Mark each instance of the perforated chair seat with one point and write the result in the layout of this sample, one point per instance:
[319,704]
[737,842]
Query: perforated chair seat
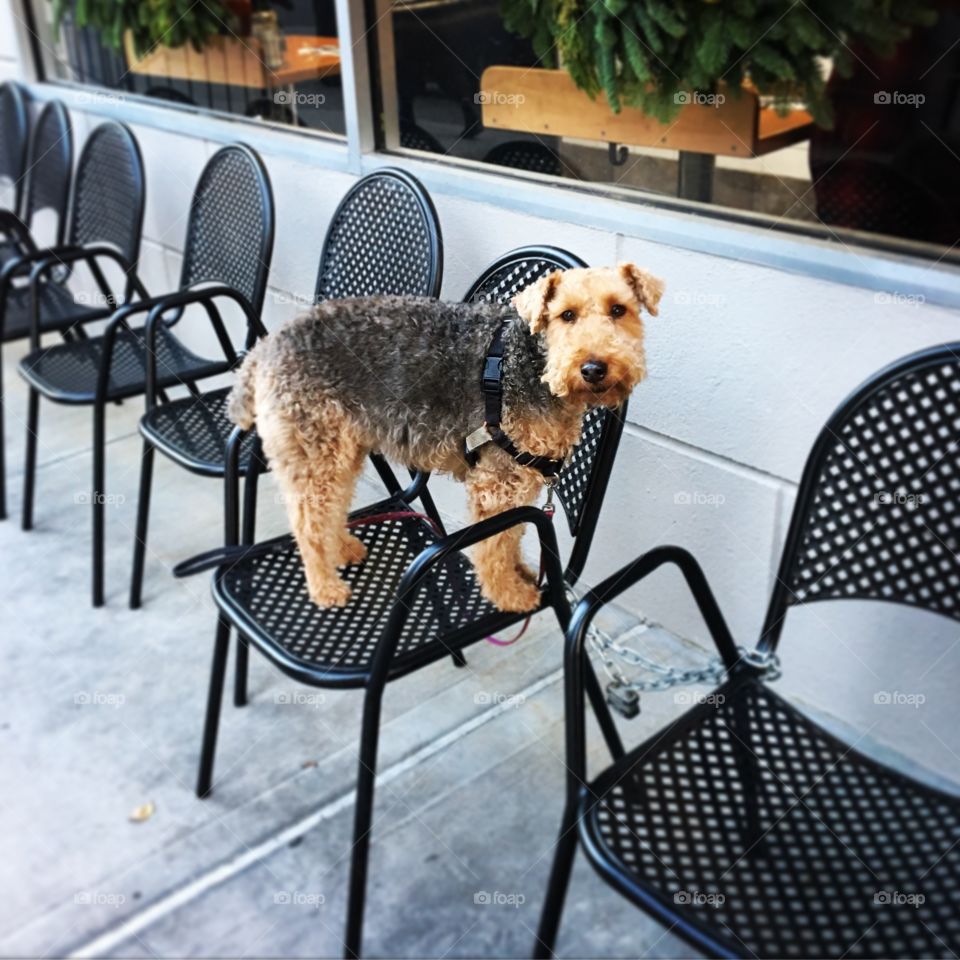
[194,431]
[58,311]
[853,859]
[68,372]
[266,596]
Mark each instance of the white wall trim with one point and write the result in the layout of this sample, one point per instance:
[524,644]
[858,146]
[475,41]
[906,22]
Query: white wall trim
[629,213]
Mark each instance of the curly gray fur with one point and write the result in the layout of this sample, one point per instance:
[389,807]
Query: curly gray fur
[407,369]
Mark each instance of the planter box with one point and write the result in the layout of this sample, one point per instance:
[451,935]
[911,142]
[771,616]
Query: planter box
[547,102]
[239,63]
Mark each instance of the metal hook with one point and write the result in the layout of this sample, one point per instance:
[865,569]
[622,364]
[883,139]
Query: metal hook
[618,154]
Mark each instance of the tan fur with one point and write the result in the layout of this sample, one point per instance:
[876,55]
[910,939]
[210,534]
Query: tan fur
[317,451]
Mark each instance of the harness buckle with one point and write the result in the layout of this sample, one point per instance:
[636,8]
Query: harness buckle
[492,373]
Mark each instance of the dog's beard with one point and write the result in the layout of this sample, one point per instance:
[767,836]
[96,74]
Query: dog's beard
[621,378]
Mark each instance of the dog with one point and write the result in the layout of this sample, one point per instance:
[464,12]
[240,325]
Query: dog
[402,375]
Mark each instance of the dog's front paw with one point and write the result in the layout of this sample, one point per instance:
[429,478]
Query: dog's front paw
[352,550]
[516,596]
[330,593]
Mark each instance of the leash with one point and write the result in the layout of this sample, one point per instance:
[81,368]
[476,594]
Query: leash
[491,386]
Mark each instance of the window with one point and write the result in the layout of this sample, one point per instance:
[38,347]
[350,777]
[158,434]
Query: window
[277,62]
[456,83]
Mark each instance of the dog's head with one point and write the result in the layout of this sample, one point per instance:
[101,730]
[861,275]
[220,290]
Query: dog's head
[591,321]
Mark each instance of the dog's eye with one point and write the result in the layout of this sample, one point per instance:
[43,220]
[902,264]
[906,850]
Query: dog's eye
[568,315]
[617,310]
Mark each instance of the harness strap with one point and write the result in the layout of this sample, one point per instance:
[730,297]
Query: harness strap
[491,386]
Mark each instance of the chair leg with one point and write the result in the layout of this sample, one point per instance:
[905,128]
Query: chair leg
[459,660]
[214,698]
[241,671]
[557,886]
[30,459]
[97,496]
[362,822]
[143,516]
[248,532]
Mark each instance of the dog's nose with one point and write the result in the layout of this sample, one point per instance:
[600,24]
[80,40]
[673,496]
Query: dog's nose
[593,371]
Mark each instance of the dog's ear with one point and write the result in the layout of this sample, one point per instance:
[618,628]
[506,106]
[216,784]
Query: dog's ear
[647,288]
[532,302]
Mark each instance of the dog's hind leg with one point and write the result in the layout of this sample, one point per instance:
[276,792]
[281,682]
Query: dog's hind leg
[492,487]
[316,463]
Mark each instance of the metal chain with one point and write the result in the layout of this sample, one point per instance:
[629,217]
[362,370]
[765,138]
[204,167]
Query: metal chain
[624,692]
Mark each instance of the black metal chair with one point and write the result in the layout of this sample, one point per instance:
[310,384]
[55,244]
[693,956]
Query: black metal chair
[229,243]
[415,597]
[106,217]
[384,237]
[44,182]
[744,826]
[14,135]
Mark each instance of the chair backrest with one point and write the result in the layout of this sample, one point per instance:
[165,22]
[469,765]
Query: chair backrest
[230,231]
[14,133]
[384,238]
[878,510]
[583,481]
[49,166]
[109,191]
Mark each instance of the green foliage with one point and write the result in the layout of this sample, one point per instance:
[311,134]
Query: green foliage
[152,23]
[649,53]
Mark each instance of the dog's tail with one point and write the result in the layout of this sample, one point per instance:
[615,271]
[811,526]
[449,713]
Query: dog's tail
[242,405]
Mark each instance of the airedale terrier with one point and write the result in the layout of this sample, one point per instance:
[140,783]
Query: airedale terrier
[402,375]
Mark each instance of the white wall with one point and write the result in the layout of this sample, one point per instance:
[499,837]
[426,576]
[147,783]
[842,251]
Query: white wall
[746,362]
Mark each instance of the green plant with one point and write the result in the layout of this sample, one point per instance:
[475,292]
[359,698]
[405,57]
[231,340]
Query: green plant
[152,23]
[652,53]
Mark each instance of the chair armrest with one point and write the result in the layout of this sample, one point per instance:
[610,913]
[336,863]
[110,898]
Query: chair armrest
[12,226]
[437,552]
[642,567]
[185,298]
[47,260]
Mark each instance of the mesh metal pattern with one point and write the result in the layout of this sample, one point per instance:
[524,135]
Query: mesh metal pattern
[195,430]
[230,233]
[384,239]
[527,155]
[882,519]
[49,164]
[13,144]
[69,371]
[108,191]
[844,840]
[270,590]
[500,284]
[58,310]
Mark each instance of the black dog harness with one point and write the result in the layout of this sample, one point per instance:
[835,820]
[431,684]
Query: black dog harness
[491,386]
